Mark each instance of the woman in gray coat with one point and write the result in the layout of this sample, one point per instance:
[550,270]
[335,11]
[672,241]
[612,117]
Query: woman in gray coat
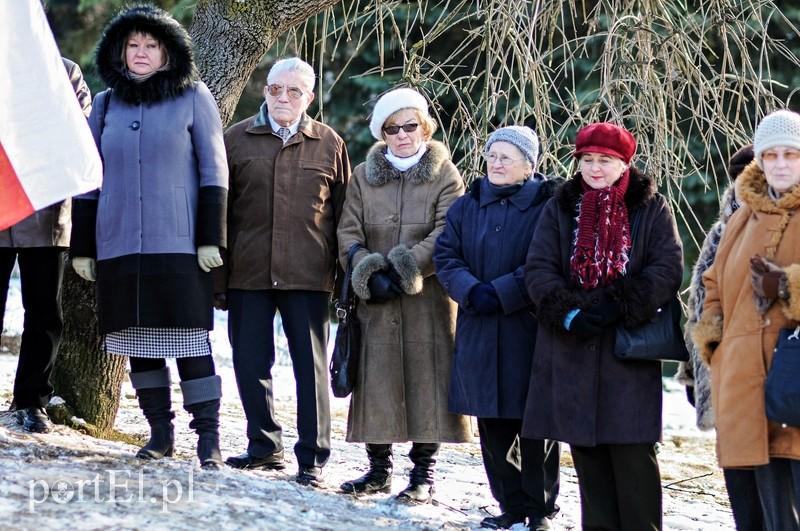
[151,234]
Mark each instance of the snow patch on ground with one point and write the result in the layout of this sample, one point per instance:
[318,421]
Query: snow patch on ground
[65,478]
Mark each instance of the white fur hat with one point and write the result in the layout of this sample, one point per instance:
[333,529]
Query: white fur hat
[393,101]
[780,128]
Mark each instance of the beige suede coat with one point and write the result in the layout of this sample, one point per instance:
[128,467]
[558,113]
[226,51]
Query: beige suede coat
[733,338]
[407,343]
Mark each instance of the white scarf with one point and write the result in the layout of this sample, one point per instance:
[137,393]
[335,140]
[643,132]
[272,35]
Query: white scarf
[404,163]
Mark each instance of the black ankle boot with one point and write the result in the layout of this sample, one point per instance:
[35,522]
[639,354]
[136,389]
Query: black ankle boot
[379,476]
[157,408]
[206,418]
[420,486]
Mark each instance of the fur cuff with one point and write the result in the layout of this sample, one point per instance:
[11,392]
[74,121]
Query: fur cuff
[554,306]
[363,270]
[707,334]
[406,266]
[791,307]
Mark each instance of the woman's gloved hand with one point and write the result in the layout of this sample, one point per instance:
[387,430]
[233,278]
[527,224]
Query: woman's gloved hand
[483,299]
[606,313]
[382,288]
[766,278]
[585,325]
[208,257]
[85,267]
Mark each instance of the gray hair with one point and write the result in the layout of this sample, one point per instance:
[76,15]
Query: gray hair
[293,64]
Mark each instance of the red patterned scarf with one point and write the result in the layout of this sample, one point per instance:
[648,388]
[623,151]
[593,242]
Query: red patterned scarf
[603,238]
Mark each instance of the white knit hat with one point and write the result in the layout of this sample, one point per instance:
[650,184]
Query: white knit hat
[780,128]
[393,101]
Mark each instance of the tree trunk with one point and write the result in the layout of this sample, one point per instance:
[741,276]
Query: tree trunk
[231,36]
[88,379]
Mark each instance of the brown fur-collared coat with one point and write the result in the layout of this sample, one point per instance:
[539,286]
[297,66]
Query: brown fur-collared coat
[407,343]
[734,338]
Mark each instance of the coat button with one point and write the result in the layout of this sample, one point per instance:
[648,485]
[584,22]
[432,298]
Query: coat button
[592,347]
[275,283]
[135,125]
[498,228]
[502,201]
[395,217]
[595,300]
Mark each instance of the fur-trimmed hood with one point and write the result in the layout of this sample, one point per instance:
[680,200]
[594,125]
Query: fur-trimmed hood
[380,171]
[752,190]
[641,189]
[162,85]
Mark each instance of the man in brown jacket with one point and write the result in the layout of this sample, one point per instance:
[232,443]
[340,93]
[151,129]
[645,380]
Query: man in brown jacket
[37,243]
[288,175]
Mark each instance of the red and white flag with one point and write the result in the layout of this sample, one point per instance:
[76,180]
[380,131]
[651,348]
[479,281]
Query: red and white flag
[46,149]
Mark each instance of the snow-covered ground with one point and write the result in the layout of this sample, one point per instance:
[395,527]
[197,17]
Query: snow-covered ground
[66,478]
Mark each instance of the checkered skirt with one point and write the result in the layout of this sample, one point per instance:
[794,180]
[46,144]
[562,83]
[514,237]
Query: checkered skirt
[159,342]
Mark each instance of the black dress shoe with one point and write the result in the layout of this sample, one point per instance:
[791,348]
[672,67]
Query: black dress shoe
[273,461]
[34,419]
[502,521]
[417,493]
[310,476]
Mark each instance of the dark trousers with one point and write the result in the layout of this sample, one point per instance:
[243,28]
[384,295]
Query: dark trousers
[743,495]
[620,487]
[305,322]
[779,491]
[40,271]
[523,473]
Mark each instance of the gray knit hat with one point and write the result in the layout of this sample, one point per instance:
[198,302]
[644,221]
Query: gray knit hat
[524,138]
[780,128]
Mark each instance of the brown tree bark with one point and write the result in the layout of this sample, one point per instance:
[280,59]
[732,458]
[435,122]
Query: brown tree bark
[88,379]
[231,36]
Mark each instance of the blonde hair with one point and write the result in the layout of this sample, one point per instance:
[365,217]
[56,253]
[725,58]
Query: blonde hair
[427,123]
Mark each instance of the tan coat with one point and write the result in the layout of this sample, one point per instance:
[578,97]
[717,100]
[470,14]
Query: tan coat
[734,338]
[407,345]
[284,202]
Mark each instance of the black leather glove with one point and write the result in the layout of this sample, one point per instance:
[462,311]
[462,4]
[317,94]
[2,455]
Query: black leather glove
[606,313]
[381,288]
[483,299]
[585,326]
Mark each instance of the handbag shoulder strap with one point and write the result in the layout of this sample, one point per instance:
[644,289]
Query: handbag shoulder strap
[344,295]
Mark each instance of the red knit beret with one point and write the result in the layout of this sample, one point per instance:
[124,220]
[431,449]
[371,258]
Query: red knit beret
[606,138]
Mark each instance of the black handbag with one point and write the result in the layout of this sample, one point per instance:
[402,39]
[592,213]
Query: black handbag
[346,350]
[658,339]
[782,390]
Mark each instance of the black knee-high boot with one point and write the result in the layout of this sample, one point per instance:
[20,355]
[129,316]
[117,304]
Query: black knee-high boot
[420,485]
[153,392]
[201,398]
[379,476]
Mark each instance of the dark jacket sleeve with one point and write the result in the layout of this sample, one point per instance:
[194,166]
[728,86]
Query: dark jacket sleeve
[642,292]
[544,277]
[452,270]
[79,86]
[511,291]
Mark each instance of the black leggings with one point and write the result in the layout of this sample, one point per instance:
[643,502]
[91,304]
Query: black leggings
[188,368]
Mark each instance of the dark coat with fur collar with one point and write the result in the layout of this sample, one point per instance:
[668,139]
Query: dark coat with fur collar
[486,239]
[579,392]
[164,186]
[407,343]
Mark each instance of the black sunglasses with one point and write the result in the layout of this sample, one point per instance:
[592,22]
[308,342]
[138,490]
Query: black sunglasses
[394,129]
